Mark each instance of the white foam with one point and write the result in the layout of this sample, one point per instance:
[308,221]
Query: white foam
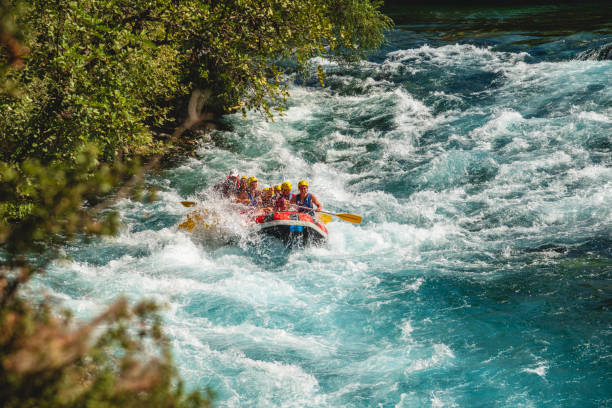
[414,286]
[407,330]
[458,54]
[251,335]
[272,382]
[594,116]
[498,126]
[540,370]
[440,399]
[441,354]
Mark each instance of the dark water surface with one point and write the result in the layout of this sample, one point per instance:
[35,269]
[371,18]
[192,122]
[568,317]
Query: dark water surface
[477,146]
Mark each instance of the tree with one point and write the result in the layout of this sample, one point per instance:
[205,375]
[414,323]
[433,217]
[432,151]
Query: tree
[109,73]
[241,49]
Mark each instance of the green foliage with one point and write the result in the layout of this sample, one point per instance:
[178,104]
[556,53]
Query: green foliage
[11,48]
[91,77]
[109,72]
[44,203]
[236,47]
[239,49]
[358,26]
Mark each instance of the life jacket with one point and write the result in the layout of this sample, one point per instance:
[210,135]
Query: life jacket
[268,201]
[279,205]
[252,198]
[306,203]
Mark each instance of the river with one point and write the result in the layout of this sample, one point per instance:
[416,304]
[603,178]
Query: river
[477,146]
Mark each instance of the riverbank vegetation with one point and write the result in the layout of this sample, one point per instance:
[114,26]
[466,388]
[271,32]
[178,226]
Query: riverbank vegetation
[89,90]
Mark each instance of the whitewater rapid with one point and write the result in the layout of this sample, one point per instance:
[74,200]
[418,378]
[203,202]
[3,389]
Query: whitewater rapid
[480,275]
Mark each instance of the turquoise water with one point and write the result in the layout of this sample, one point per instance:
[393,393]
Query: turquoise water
[481,275]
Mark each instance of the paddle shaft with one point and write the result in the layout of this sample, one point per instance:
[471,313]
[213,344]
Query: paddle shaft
[356,219]
[312,209]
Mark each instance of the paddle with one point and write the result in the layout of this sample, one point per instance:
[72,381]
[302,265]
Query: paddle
[196,218]
[355,219]
[324,218]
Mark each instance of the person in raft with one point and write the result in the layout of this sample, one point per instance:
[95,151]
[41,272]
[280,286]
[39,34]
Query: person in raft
[277,191]
[283,201]
[305,200]
[230,185]
[253,193]
[242,195]
[267,197]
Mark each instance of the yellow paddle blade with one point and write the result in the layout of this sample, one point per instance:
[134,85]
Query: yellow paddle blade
[188,203]
[324,218]
[188,225]
[355,219]
[194,219]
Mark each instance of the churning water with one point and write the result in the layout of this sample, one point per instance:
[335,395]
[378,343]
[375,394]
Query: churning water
[481,275]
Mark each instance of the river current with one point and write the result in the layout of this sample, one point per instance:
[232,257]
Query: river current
[480,276]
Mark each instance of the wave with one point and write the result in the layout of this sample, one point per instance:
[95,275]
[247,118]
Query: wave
[601,53]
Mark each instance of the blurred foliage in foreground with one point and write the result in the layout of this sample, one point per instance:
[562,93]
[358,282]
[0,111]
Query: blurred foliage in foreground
[87,89]
[119,359]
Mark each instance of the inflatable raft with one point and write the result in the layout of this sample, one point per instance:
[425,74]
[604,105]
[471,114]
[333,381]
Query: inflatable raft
[292,227]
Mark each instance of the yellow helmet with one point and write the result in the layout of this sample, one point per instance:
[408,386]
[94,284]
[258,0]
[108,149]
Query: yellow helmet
[244,177]
[278,187]
[286,186]
[266,189]
[252,179]
[303,183]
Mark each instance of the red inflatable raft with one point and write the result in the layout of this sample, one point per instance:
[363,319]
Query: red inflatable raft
[292,227]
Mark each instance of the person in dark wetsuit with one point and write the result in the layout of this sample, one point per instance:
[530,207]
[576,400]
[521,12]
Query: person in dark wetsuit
[305,200]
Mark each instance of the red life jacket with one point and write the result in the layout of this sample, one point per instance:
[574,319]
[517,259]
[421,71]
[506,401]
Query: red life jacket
[280,202]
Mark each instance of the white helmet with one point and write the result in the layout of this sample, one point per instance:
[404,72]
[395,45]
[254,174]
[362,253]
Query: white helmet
[233,173]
